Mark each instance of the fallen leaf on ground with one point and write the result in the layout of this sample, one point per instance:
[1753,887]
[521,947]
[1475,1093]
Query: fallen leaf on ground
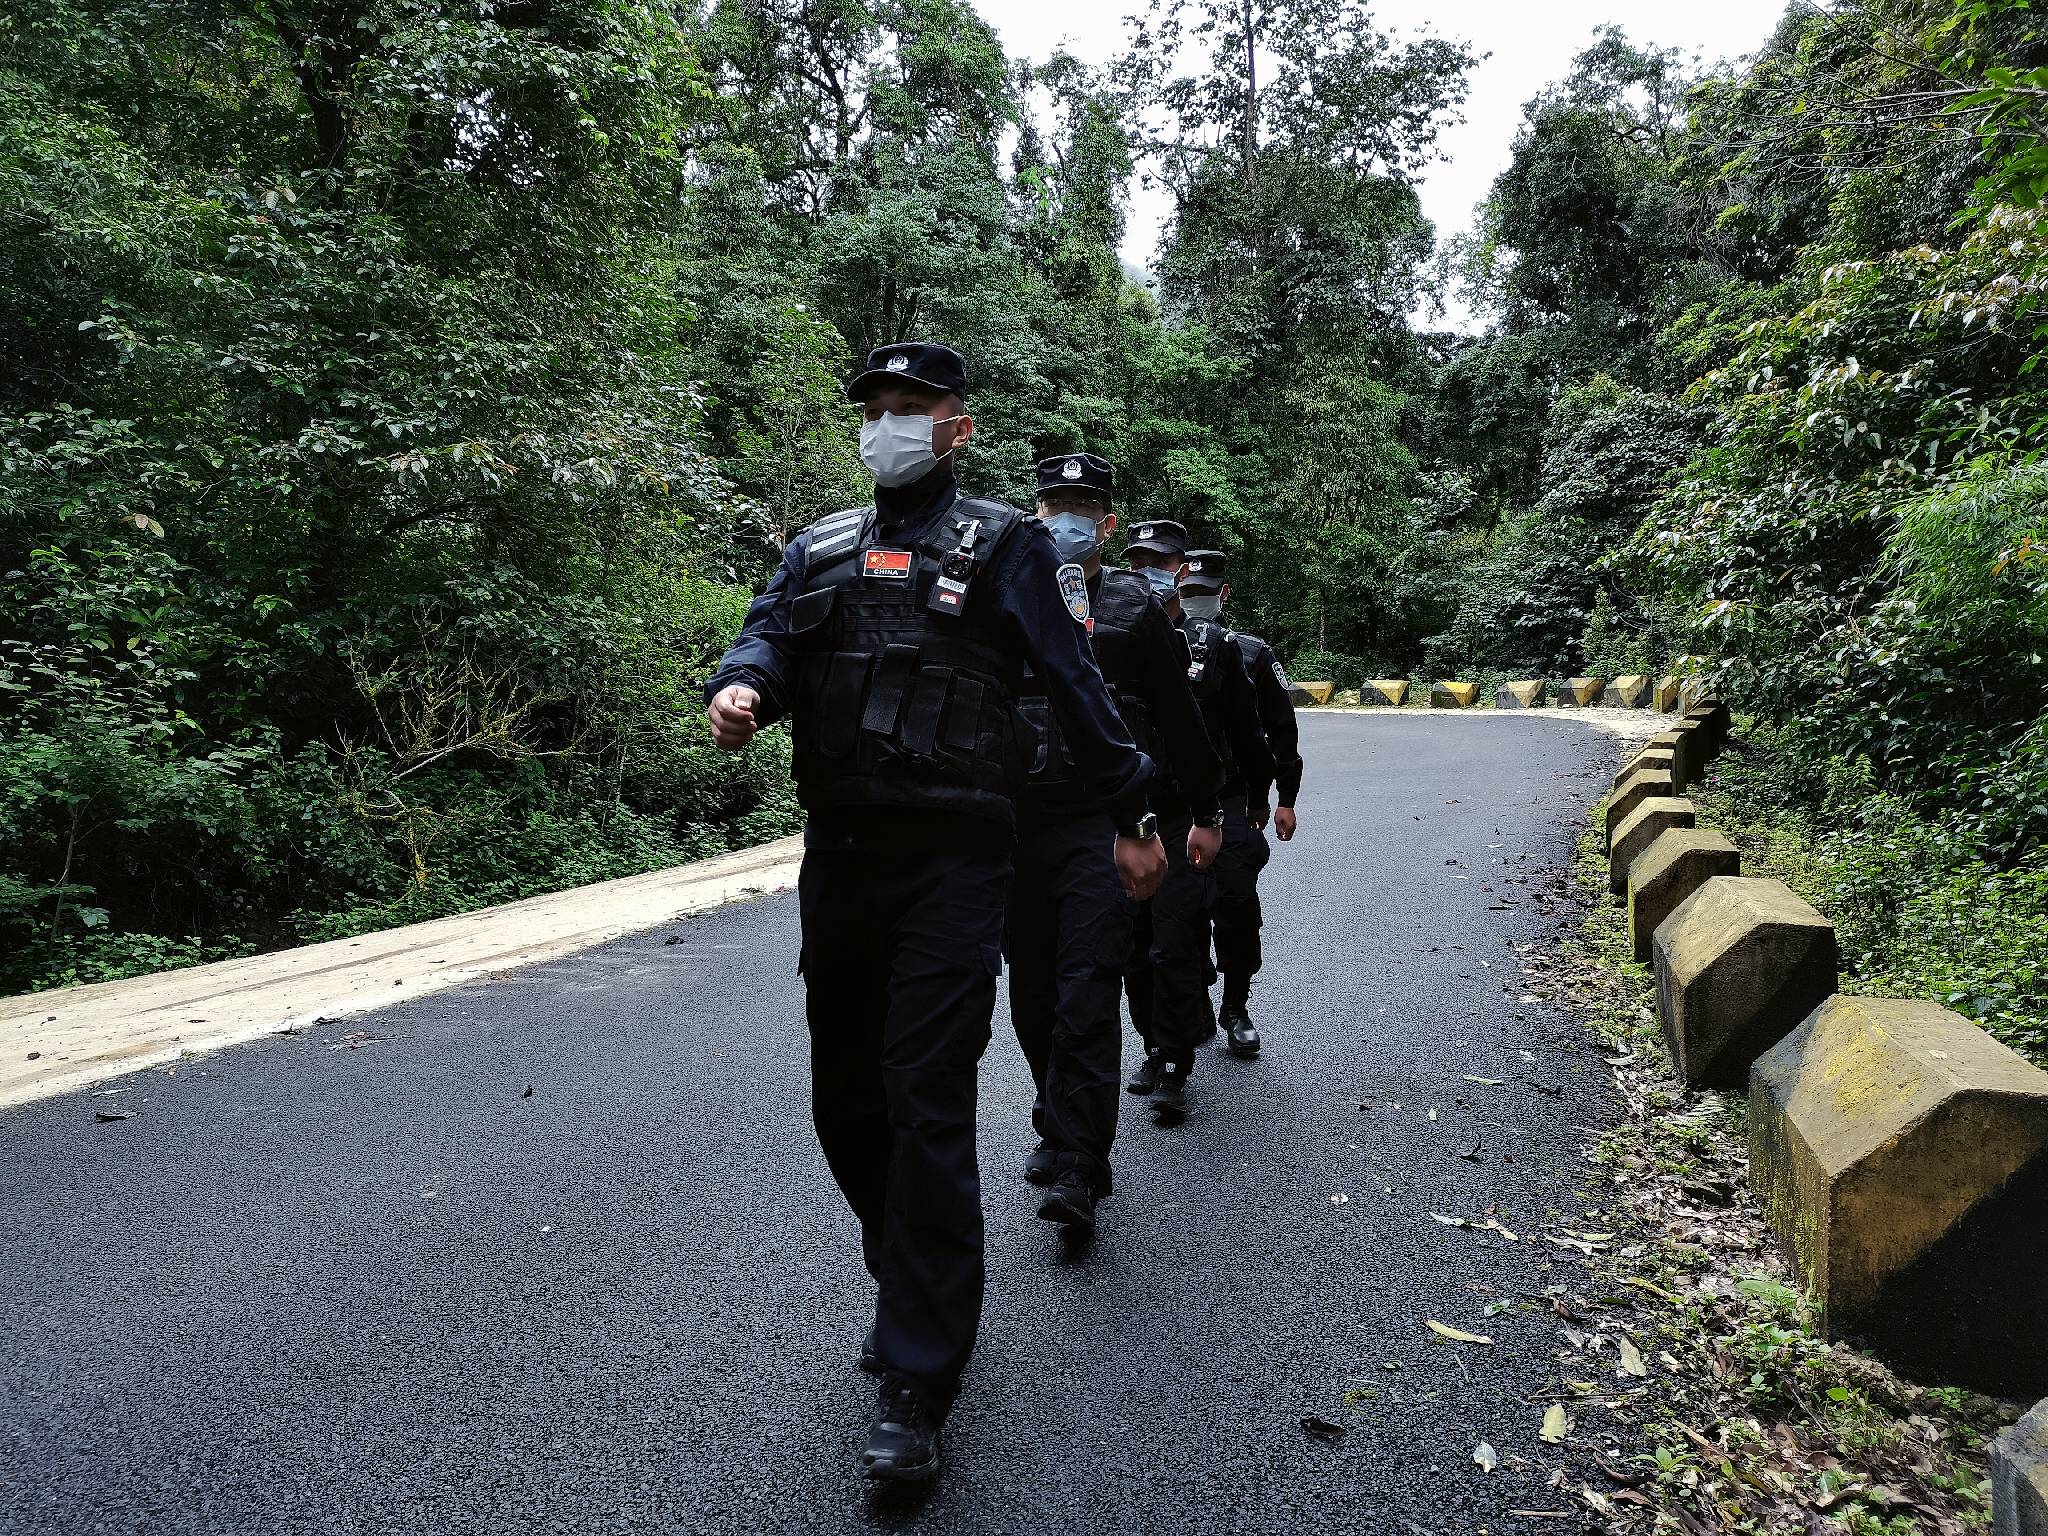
[1555,1423]
[1324,1430]
[1487,1457]
[1632,1359]
[1445,1330]
[1491,1082]
[1654,1290]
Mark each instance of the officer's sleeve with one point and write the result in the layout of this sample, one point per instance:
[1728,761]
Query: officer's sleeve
[1112,768]
[1283,732]
[1241,720]
[1179,730]
[760,658]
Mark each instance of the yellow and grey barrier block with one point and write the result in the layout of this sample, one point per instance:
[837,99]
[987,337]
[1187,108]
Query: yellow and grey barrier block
[1629,692]
[1643,784]
[1902,1156]
[1649,757]
[1682,743]
[1384,690]
[1739,963]
[1712,720]
[1633,835]
[1453,695]
[1528,694]
[1664,696]
[1585,691]
[1671,869]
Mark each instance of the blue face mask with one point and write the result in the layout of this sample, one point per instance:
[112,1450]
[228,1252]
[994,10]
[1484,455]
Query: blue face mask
[1161,582]
[1075,535]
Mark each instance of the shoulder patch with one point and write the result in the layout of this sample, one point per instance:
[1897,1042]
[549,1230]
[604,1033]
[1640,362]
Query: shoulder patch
[1280,675]
[1074,592]
[837,534]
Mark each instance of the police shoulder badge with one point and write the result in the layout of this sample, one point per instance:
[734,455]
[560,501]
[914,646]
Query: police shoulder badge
[1279,675]
[1074,590]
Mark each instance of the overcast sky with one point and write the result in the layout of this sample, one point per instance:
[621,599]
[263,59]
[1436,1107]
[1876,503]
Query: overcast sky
[1530,43]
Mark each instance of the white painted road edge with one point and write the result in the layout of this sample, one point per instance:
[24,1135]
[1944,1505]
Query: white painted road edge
[55,1042]
[82,1035]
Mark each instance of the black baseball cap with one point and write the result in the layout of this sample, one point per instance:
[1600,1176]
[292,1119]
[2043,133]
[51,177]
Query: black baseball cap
[1160,535]
[1077,472]
[1208,570]
[938,368]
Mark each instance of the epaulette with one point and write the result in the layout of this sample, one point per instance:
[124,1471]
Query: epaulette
[832,539]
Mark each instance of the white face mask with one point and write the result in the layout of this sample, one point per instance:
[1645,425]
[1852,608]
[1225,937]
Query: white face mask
[898,449]
[1195,605]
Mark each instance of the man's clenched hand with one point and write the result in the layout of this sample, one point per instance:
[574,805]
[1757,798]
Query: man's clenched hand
[732,717]
[1140,865]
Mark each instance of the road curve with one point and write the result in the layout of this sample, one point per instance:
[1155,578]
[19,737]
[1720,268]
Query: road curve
[358,1280]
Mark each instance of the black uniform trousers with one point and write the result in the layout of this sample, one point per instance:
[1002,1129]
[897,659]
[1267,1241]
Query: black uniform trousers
[902,948]
[1237,915]
[1165,976]
[1066,936]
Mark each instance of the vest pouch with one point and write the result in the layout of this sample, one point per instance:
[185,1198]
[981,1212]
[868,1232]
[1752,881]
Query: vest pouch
[1136,714]
[810,610]
[846,684]
[920,733]
[963,716]
[884,705]
[1034,718]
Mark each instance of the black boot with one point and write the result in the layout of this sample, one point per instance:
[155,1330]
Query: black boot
[1170,1093]
[870,1357]
[1145,1076]
[1243,1039]
[903,1439]
[1071,1203]
[1040,1166]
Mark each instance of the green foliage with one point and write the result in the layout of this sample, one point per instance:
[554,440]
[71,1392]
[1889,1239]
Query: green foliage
[349,472]
[1918,907]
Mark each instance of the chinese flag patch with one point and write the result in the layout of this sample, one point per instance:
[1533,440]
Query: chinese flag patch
[889,564]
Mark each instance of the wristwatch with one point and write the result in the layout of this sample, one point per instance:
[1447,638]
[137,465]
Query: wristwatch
[1144,829]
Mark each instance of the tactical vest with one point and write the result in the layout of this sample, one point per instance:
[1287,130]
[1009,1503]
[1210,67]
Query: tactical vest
[906,689]
[1118,605]
[1206,657]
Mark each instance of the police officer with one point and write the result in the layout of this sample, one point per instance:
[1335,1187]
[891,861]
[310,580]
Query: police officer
[1237,918]
[1167,979]
[895,639]
[1069,925]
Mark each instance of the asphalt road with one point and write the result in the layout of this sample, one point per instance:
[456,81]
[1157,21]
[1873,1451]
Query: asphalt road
[341,1284]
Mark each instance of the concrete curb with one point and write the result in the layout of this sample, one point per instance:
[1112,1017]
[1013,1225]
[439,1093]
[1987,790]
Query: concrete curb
[1653,815]
[2019,1477]
[1739,964]
[1902,1154]
[81,1035]
[1669,871]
